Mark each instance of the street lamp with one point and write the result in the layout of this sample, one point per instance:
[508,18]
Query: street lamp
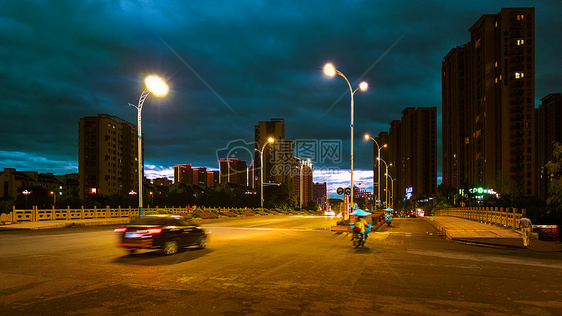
[391,190]
[54,198]
[331,71]
[367,137]
[386,179]
[327,190]
[269,140]
[159,88]
[26,193]
[302,163]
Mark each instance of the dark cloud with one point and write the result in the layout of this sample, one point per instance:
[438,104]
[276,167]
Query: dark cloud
[230,64]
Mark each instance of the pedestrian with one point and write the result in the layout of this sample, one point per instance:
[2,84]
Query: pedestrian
[526,228]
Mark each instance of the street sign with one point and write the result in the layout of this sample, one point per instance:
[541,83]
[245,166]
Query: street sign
[348,191]
[339,191]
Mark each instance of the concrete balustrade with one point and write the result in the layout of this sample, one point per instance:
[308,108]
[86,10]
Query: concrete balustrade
[507,217]
[53,214]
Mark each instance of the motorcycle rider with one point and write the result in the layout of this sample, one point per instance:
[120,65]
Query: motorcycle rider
[388,218]
[361,223]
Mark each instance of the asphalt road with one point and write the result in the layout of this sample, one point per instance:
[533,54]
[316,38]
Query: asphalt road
[277,266]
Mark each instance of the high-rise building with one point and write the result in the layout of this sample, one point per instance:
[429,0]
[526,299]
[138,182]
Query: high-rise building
[183,174]
[107,156]
[233,170]
[320,193]
[549,130]
[411,156]
[302,178]
[275,154]
[200,176]
[213,178]
[488,88]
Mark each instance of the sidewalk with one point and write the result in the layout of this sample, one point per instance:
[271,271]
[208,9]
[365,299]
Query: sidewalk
[64,223]
[461,229]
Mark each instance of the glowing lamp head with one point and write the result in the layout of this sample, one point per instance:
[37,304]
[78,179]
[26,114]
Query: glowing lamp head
[367,136]
[271,140]
[329,70]
[363,86]
[156,86]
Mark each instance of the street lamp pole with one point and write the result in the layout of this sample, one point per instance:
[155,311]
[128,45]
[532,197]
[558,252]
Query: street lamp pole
[331,71]
[327,190]
[301,164]
[367,136]
[26,193]
[269,140]
[391,190]
[159,88]
[386,180]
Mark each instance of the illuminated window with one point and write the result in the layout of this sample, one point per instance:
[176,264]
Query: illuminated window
[520,42]
[520,17]
[519,75]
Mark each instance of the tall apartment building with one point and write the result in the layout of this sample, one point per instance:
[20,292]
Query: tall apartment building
[549,130]
[412,151]
[302,178]
[320,193]
[107,156]
[183,174]
[488,88]
[233,170]
[213,178]
[275,155]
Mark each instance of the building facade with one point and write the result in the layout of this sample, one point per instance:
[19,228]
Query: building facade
[320,193]
[549,131]
[488,111]
[183,174]
[107,156]
[411,156]
[233,170]
[301,181]
[274,155]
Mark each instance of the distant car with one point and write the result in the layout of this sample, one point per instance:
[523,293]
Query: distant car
[329,213]
[168,233]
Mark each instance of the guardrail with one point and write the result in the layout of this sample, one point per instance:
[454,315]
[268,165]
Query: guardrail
[53,214]
[507,217]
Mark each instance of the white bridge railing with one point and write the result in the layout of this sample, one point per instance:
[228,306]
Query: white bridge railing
[507,217]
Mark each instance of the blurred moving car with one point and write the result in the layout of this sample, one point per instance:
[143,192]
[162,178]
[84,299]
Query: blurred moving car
[168,233]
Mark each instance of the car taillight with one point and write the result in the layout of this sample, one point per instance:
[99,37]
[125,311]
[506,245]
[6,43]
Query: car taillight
[120,230]
[154,230]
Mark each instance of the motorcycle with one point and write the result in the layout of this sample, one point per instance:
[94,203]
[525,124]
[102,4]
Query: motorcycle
[357,238]
[388,219]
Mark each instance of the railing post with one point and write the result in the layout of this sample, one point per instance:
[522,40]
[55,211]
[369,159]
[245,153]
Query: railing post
[513,221]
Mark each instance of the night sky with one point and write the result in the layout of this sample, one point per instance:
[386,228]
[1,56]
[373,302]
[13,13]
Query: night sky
[231,64]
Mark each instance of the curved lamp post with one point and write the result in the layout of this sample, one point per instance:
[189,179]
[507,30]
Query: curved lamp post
[331,71]
[367,137]
[158,87]
[302,163]
[270,140]
[386,179]
[391,190]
